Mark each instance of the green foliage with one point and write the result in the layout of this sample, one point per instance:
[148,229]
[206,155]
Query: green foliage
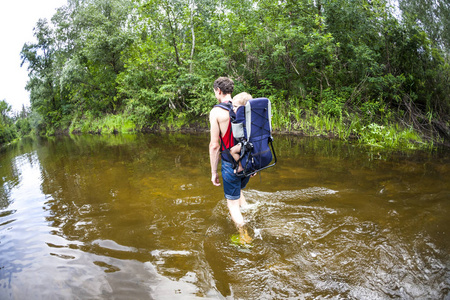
[23,127]
[74,63]
[107,124]
[390,137]
[433,17]
[7,129]
[332,103]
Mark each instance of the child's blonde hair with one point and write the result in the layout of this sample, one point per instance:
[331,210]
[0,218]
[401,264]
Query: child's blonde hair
[241,99]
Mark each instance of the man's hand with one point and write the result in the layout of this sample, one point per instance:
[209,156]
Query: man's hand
[215,179]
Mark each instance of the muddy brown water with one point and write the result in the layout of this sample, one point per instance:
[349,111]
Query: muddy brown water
[136,217]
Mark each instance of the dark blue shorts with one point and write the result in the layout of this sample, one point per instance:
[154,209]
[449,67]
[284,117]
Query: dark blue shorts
[232,184]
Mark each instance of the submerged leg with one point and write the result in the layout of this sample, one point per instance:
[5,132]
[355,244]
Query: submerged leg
[234,207]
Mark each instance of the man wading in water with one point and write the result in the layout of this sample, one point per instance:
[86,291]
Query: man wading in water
[219,119]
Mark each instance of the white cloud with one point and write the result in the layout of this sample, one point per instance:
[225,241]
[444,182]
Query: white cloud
[17,19]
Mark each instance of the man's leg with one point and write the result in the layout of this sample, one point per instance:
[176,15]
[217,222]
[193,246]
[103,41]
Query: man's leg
[242,201]
[236,216]
[233,186]
[235,212]
[235,209]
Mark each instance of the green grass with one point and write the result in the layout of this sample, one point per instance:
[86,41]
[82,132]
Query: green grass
[345,127]
[107,124]
[391,136]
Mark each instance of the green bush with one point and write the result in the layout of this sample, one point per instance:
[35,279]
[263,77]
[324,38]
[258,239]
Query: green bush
[23,126]
[390,137]
[332,103]
[7,134]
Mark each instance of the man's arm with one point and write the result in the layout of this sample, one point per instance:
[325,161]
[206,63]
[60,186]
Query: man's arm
[214,146]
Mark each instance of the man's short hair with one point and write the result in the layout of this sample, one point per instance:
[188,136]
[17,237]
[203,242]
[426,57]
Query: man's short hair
[225,84]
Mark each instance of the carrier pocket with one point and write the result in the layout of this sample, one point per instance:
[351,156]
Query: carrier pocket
[238,130]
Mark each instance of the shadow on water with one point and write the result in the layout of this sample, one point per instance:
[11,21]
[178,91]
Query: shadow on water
[136,217]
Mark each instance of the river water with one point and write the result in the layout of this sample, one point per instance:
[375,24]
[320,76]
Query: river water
[136,217]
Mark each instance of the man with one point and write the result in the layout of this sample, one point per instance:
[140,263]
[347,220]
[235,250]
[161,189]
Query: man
[220,127]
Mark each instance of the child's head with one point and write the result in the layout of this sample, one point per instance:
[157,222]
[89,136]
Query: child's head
[241,99]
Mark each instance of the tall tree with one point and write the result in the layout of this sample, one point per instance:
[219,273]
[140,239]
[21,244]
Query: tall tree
[433,16]
[39,57]
[96,36]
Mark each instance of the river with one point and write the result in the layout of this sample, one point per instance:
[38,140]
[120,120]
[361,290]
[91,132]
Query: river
[136,217]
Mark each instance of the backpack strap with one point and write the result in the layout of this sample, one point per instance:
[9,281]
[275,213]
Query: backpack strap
[225,105]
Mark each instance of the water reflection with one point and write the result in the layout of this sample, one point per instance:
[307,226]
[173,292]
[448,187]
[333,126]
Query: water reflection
[136,217]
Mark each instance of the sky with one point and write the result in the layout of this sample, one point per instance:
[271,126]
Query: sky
[17,20]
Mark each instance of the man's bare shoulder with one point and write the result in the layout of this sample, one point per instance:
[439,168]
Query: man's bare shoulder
[217,112]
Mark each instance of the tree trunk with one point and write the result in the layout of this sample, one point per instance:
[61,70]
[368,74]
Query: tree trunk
[193,38]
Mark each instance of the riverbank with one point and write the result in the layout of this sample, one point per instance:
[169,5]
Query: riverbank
[352,128]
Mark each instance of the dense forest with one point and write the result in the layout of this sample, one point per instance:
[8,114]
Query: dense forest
[369,70]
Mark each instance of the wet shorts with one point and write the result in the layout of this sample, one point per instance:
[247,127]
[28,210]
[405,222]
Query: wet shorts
[232,184]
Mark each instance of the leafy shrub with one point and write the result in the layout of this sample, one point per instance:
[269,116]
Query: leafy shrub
[332,103]
[23,126]
[390,137]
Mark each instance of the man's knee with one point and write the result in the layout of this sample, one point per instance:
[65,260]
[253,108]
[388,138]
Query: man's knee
[232,203]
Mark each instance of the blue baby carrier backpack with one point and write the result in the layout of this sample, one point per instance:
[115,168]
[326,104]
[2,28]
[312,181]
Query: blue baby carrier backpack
[252,128]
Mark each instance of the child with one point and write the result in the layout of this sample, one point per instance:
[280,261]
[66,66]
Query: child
[235,151]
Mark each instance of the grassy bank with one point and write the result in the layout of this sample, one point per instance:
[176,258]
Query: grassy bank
[350,127]
[390,135]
